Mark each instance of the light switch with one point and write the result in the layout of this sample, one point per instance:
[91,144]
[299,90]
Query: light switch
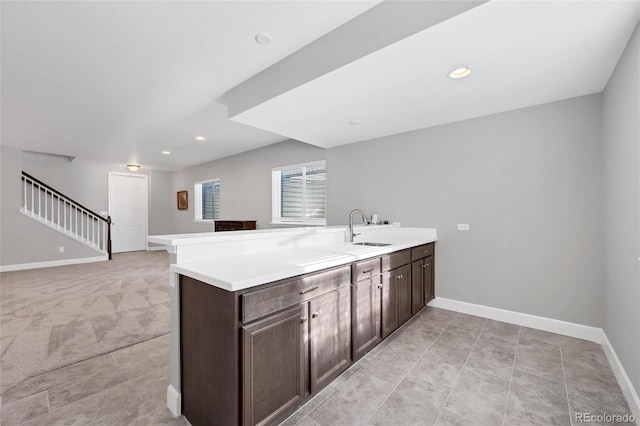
[463,227]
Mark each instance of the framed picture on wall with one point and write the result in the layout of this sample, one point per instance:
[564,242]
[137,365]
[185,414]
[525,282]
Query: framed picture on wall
[183,200]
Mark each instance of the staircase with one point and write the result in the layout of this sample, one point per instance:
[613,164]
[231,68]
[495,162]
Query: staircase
[59,212]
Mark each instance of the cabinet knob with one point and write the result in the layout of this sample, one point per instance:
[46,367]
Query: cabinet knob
[315,315]
[379,285]
[303,319]
[399,277]
[424,265]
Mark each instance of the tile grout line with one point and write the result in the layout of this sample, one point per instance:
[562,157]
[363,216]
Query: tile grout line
[114,358]
[566,388]
[335,390]
[41,415]
[416,363]
[462,369]
[513,367]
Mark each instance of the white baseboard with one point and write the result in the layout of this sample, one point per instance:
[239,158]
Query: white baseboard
[565,328]
[49,264]
[621,375]
[174,401]
[154,248]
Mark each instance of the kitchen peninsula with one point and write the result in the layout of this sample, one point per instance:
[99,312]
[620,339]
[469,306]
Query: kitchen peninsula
[262,320]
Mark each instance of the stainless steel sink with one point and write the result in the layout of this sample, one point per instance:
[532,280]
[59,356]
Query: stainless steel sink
[368,243]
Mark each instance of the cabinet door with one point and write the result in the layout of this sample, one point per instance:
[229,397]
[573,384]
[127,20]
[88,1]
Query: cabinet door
[429,288]
[273,366]
[417,286]
[366,315]
[329,336]
[389,304]
[403,281]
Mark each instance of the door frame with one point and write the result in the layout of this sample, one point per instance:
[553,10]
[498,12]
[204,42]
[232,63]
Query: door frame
[145,203]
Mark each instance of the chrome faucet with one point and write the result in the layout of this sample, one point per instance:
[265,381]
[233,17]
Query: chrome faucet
[364,219]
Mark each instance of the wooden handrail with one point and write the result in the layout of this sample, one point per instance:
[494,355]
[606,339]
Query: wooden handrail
[26,175]
[39,182]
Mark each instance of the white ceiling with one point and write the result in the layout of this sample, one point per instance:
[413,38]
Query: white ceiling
[522,53]
[122,81]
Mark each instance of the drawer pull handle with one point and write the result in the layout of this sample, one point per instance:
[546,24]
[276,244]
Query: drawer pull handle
[366,271]
[315,315]
[308,290]
[303,320]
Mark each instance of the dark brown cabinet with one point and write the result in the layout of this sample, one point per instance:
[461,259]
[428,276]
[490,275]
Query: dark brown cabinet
[429,289]
[234,225]
[273,365]
[253,356]
[422,276]
[366,315]
[329,336]
[403,284]
[417,285]
[389,304]
[396,291]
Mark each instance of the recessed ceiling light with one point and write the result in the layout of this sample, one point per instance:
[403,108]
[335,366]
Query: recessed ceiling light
[263,39]
[461,72]
[166,152]
[354,123]
[200,138]
[133,167]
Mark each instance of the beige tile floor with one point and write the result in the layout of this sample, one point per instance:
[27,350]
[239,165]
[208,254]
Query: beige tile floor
[440,368]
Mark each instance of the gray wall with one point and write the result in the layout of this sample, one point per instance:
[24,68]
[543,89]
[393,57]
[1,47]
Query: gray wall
[621,160]
[24,241]
[528,183]
[245,183]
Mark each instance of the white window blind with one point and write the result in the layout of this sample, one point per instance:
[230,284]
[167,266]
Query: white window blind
[299,194]
[207,200]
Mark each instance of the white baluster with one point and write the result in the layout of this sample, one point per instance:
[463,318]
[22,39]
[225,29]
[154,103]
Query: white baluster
[32,203]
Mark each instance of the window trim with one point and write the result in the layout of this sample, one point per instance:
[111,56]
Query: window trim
[276,220]
[197,201]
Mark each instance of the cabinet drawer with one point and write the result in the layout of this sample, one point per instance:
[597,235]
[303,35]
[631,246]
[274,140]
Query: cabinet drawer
[396,259]
[422,251]
[291,291]
[365,269]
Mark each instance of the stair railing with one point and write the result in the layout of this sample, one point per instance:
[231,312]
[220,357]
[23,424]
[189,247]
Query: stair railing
[60,212]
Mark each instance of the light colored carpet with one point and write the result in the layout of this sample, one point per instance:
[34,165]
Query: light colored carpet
[53,317]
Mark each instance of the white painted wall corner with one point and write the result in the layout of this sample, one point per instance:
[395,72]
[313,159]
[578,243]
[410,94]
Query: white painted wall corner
[621,375]
[174,401]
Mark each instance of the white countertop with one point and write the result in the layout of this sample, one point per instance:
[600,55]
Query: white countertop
[244,271]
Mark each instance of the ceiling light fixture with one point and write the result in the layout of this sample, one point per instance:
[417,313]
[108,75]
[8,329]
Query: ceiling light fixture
[166,152]
[461,72]
[133,167]
[263,39]
[354,123]
[200,138]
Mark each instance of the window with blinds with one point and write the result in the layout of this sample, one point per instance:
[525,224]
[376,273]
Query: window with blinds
[299,194]
[207,200]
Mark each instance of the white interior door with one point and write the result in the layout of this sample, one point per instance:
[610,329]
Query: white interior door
[128,208]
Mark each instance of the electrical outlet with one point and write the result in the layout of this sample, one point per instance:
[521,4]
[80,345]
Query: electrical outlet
[463,227]
[61,249]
